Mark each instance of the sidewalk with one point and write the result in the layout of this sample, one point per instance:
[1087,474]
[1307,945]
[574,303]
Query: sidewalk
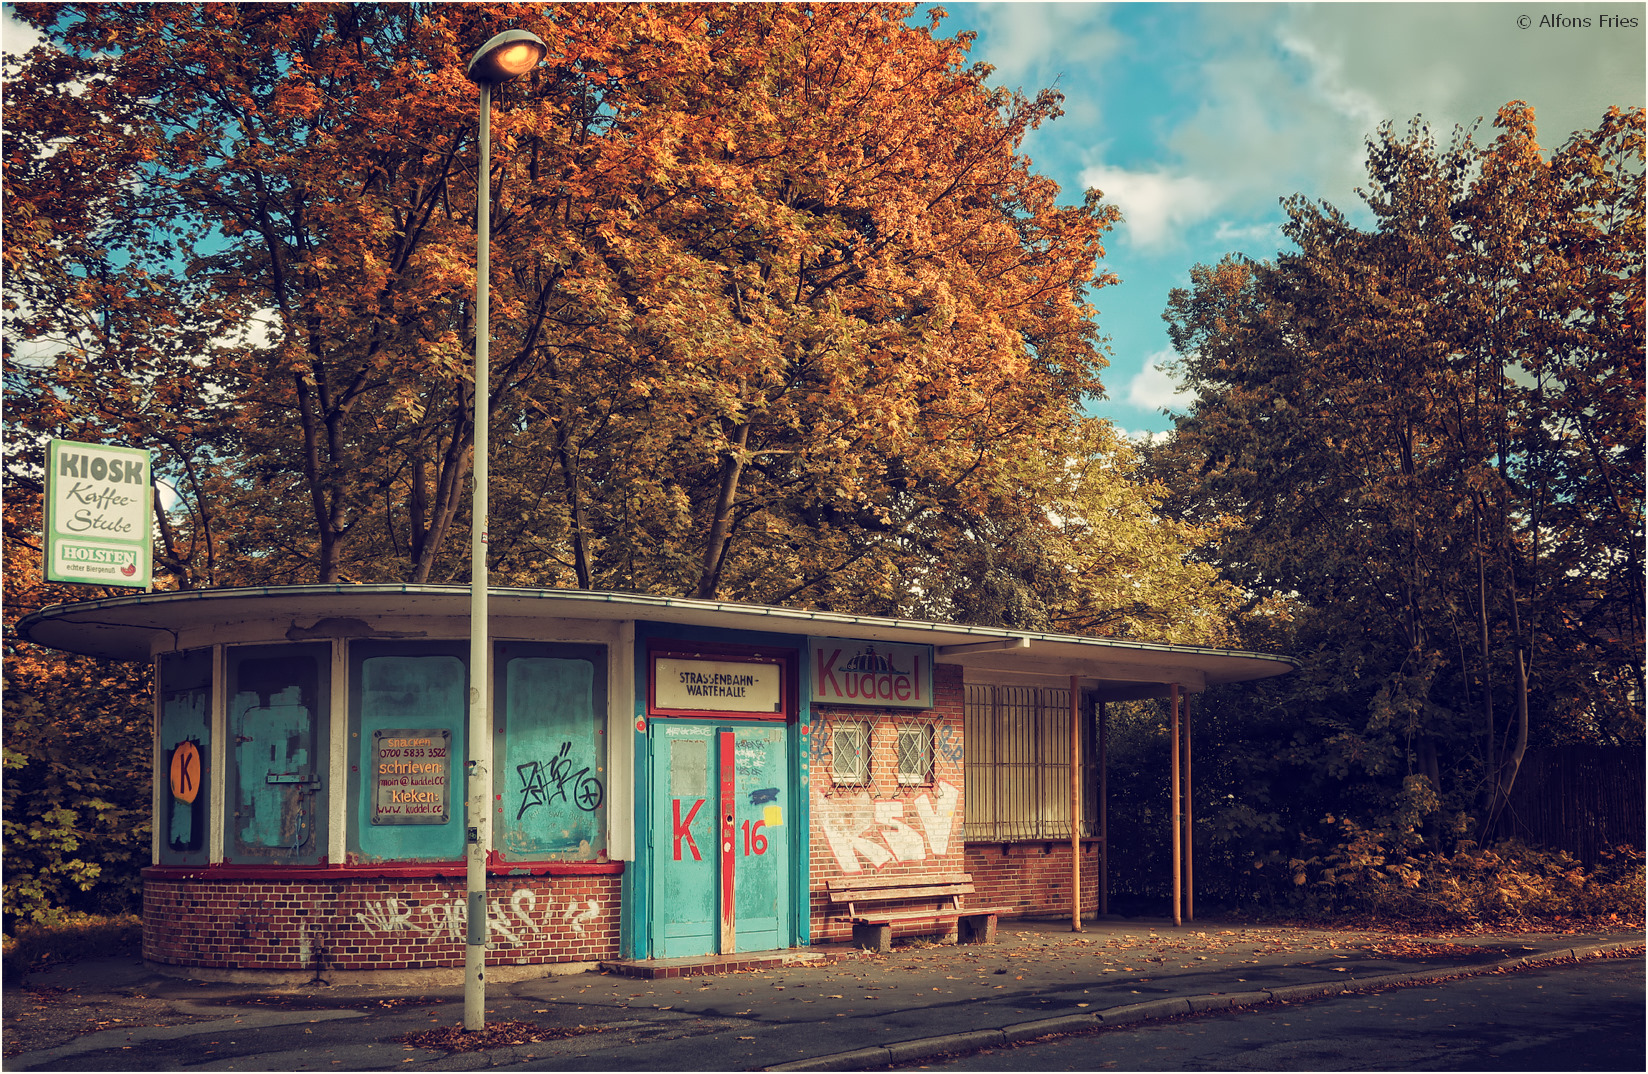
[849,1010]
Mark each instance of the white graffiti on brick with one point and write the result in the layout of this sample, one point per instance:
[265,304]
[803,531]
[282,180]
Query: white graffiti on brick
[449,920]
[860,829]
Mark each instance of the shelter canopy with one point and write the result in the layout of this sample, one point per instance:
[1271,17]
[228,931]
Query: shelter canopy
[142,626]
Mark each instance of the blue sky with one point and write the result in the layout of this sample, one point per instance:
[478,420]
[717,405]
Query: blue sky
[1196,119]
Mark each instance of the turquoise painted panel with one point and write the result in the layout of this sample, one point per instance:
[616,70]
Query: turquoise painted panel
[685,841]
[395,688]
[275,713]
[552,760]
[762,818]
[186,738]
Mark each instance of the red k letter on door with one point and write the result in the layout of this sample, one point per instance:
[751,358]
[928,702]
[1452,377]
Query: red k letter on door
[683,829]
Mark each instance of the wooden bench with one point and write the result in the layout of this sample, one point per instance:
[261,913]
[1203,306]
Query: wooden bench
[878,904]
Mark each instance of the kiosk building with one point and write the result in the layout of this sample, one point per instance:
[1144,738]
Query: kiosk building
[671,778]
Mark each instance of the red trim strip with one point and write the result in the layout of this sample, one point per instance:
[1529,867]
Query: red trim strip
[729,838]
[404,870]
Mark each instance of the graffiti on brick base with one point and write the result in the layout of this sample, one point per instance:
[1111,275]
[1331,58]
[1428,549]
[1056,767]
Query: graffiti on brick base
[875,830]
[508,926]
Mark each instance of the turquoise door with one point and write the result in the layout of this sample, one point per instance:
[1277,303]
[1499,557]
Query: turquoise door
[760,798]
[720,846]
[684,848]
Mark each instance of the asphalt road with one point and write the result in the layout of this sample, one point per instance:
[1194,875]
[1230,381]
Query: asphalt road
[1580,1017]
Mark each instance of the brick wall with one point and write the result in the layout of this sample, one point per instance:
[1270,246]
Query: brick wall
[1031,878]
[884,827]
[375,923]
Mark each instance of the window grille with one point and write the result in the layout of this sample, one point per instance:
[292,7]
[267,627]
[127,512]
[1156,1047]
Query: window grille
[915,754]
[850,753]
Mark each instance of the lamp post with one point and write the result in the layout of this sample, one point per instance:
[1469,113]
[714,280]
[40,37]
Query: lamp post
[507,56]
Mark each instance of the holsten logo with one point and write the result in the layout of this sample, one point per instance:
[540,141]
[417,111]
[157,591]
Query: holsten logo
[856,672]
[74,560]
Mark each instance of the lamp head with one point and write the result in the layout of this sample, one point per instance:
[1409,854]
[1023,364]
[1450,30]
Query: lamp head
[507,56]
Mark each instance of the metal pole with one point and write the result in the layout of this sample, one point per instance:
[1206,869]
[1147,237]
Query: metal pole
[1075,807]
[1178,880]
[1189,825]
[477,816]
[1104,811]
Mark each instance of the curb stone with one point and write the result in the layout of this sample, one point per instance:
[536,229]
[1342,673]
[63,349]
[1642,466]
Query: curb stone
[1140,1012]
[950,1042]
[1224,1000]
[1068,1023]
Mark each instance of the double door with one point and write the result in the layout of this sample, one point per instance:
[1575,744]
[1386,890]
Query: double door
[720,850]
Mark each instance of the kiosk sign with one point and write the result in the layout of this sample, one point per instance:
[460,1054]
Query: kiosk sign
[681,685]
[849,672]
[97,514]
[411,775]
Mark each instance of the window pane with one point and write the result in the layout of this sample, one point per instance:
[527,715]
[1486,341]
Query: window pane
[850,753]
[915,754]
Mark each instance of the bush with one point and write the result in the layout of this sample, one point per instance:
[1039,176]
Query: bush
[78,741]
[1510,885]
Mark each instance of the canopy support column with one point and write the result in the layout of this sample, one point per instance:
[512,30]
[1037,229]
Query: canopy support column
[1189,827]
[1075,805]
[1104,812]
[1174,835]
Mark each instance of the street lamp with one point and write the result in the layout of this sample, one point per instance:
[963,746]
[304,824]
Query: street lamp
[507,56]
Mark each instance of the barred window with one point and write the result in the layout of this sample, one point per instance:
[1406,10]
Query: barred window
[1018,764]
[915,754]
[850,753]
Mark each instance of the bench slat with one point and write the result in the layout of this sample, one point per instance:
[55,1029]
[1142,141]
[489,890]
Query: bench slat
[926,892]
[855,883]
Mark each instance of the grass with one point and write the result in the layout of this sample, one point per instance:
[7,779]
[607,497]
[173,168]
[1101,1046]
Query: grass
[36,946]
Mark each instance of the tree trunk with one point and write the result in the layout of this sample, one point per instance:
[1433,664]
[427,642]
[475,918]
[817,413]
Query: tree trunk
[715,546]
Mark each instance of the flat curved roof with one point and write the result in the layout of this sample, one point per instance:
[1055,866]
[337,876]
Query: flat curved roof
[138,626]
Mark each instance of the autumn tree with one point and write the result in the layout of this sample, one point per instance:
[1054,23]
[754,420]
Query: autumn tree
[1431,430]
[777,298]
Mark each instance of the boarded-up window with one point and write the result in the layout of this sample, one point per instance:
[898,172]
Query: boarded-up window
[1018,764]
[185,755]
[277,720]
[551,755]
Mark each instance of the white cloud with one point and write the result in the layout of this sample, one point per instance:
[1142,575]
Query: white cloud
[1156,205]
[1154,388]
[1262,239]
[1032,44]
[16,38]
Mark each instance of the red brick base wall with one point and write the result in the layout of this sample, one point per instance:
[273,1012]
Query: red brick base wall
[375,923]
[885,828]
[1031,878]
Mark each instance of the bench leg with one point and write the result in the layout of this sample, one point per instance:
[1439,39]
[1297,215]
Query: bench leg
[978,928]
[873,937]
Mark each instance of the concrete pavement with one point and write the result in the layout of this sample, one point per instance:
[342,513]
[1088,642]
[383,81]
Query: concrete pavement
[849,1010]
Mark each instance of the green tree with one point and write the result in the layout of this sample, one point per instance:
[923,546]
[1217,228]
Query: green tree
[77,752]
[1432,431]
